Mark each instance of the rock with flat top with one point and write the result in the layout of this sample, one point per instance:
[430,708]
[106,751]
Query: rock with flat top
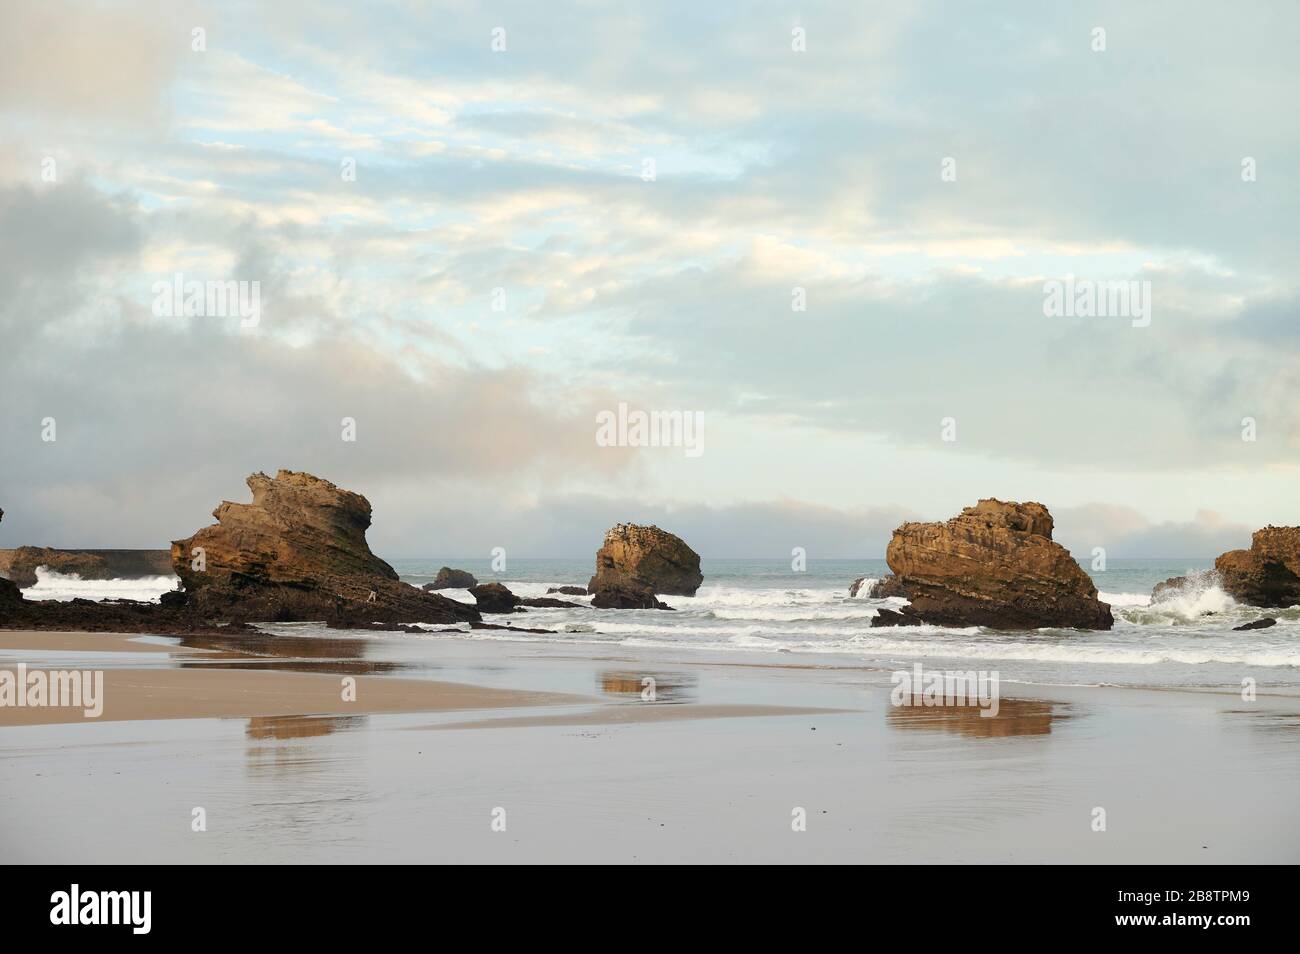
[646,557]
[994,564]
[1268,574]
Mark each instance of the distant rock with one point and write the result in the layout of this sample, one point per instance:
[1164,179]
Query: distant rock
[24,562]
[449,579]
[1268,574]
[1262,623]
[994,565]
[299,552]
[856,586]
[647,557]
[568,590]
[627,595]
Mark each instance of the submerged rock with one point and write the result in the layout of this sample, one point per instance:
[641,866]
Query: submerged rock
[1262,623]
[994,565]
[298,551]
[449,579]
[646,556]
[568,590]
[1268,574]
[856,586]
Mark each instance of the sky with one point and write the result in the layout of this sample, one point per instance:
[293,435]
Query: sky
[476,228]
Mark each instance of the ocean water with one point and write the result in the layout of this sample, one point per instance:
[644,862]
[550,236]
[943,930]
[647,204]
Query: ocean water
[764,608]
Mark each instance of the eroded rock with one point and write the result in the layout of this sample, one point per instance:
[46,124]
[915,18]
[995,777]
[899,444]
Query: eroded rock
[994,565]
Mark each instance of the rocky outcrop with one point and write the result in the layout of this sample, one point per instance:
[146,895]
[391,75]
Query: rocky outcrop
[856,586]
[449,579]
[1268,574]
[627,595]
[494,598]
[298,551]
[646,557]
[497,598]
[994,565]
[568,590]
[26,560]
[1262,623]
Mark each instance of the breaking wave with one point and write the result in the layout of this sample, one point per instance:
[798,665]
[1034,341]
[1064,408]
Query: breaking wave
[52,585]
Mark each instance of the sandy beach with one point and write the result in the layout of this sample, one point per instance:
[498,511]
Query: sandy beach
[451,738]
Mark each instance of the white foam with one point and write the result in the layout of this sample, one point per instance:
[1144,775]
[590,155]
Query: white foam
[52,585]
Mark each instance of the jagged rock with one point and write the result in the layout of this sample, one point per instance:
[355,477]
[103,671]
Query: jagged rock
[1262,623]
[494,598]
[627,595]
[449,579]
[1268,574]
[299,552]
[568,590]
[649,557]
[995,565]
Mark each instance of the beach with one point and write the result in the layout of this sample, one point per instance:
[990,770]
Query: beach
[467,749]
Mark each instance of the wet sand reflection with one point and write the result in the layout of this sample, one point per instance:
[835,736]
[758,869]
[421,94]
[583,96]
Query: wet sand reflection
[674,687]
[1015,717]
[258,650]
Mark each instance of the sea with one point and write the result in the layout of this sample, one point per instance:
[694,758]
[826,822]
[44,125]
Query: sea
[767,609]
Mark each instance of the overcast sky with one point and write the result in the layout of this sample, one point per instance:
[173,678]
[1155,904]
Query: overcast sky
[520,176]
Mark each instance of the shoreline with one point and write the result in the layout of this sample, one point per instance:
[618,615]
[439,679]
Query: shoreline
[589,771]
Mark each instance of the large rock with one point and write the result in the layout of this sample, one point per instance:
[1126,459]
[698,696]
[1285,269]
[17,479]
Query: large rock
[624,594]
[646,557]
[1268,574]
[494,598]
[994,565]
[449,579]
[299,552]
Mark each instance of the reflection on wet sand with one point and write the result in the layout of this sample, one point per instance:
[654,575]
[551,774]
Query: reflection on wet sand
[1015,717]
[258,650]
[1276,726]
[650,687]
[276,747]
[300,727]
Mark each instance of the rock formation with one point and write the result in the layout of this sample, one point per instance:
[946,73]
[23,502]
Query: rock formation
[1262,623]
[994,565]
[646,557]
[24,562]
[299,552]
[568,590]
[626,594]
[494,598]
[497,598]
[856,586]
[1268,574]
[449,579]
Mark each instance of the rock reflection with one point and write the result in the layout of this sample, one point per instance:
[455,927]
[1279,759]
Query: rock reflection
[258,650]
[1015,717]
[650,687]
[300,727]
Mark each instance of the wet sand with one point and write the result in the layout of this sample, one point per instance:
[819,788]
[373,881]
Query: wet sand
[582,768]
